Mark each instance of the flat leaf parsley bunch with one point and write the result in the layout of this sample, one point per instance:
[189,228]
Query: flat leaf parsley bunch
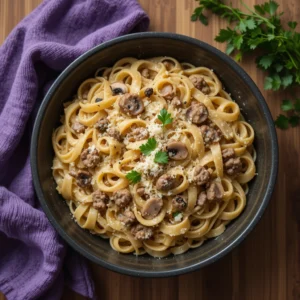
[260,29]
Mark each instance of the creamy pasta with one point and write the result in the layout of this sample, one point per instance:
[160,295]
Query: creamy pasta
[153,155]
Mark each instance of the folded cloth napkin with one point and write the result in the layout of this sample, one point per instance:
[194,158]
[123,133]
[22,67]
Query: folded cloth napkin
[34,261]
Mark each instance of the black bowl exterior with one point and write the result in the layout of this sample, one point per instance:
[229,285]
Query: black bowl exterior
[145,45]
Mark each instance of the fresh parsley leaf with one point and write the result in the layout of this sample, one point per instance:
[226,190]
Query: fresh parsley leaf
[287,80]
[224,35]
[229,49]
[266,61]
[287,105]
[237,41]
[292,25]
[161,157]
[250,23]
[276,82]
[268,83]
[282,122]
[194,18]
[278,67]
[259,9]
[242,26]
[297,105]
[165,117]
[272,7]
[133,176]
[149,146]
[176,213]
[294,120]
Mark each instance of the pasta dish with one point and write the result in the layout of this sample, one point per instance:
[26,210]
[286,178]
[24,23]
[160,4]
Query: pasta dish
[153,155]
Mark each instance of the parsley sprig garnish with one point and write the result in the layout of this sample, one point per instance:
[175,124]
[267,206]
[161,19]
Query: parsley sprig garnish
[293,114]
[133,176]
[260,29]
[161,157]
[149,146]
[165,117]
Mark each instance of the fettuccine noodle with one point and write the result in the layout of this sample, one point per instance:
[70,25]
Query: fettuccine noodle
[186,189]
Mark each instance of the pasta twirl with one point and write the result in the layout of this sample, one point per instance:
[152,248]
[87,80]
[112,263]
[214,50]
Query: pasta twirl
[153,155]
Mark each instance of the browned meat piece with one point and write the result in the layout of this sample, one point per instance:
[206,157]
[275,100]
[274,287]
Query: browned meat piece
[201,176]
[114,133]
[176,102]
[166,182]
[100,200]
[202,198]
[141,232]
[90,157]
[78,127]
[227,154]
[119,88]
[152,207]
[215,192]
[199,83]
[83,178]
[179,203]
[102,124]
[131,104]
[210,135]
[122,198]
[233,166]
[148,92]
[167,92]
[127,217]
[177,150]
[197,113]
[138,134]
[145,73]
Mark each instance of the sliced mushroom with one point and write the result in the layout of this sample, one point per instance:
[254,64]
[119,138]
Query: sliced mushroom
[119,88]
[166,182]
[131,104]
[177,150]
[215,191]
[151,208]
[167,92]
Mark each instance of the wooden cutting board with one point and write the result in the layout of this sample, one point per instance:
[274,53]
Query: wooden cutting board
[266,266]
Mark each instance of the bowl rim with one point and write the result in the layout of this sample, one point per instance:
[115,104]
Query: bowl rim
[239,70]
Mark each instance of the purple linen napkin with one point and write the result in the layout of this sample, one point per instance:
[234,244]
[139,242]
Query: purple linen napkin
[34,261]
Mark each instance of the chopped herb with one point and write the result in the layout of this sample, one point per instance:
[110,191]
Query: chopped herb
[176,213]
[293,114]
[165,117]
[149,146]
[161,157]
[133,176]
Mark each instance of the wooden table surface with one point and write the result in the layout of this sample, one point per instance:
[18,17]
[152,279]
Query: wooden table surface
[266,266]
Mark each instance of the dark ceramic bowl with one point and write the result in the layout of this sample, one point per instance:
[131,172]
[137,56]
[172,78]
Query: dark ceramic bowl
[144,45]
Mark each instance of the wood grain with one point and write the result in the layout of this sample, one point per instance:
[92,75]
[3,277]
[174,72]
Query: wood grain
[266,266]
